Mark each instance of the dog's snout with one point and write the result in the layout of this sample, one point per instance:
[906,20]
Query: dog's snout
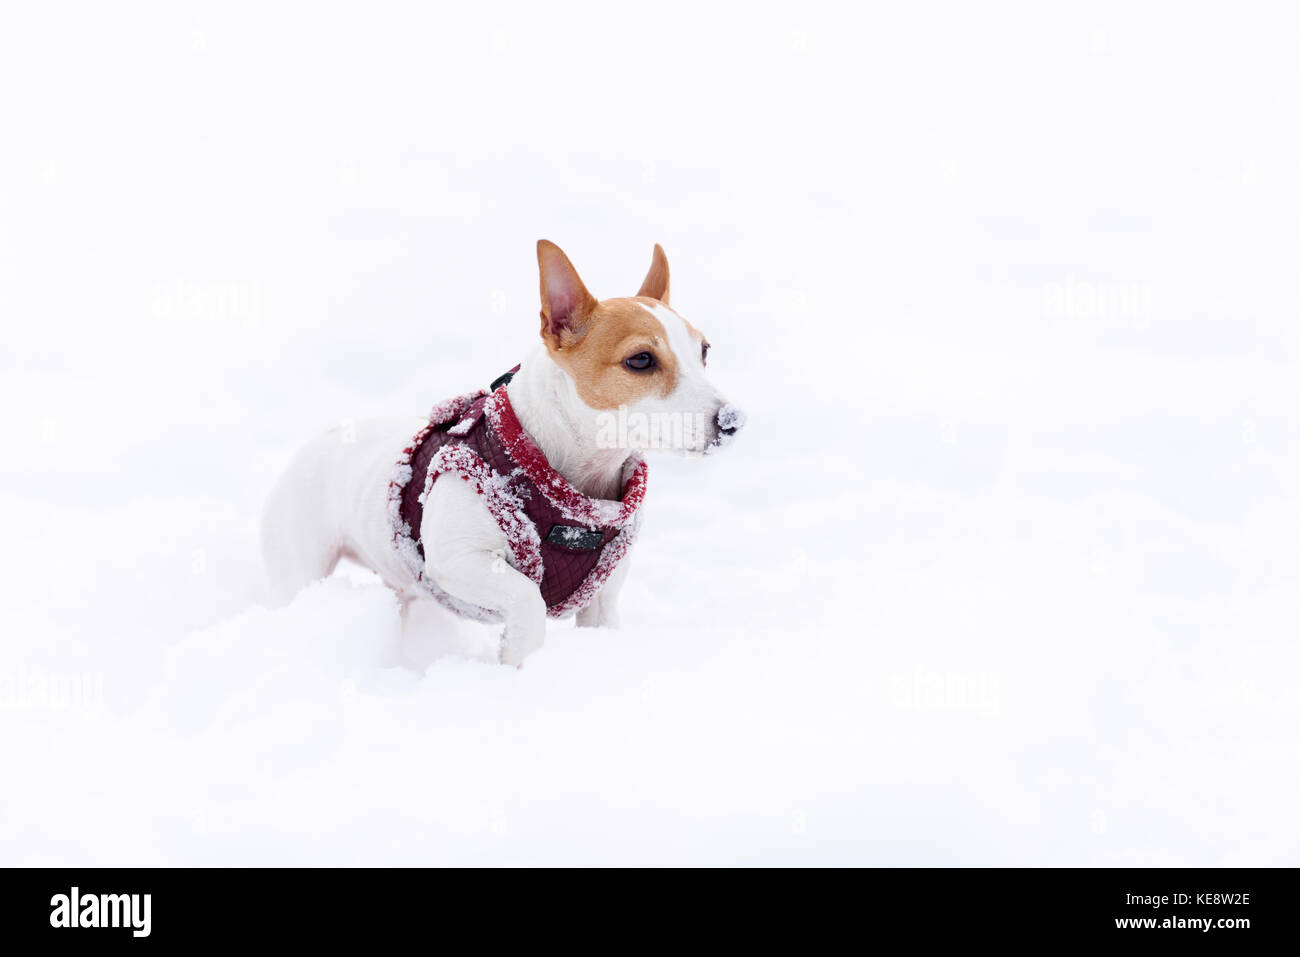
[730,420]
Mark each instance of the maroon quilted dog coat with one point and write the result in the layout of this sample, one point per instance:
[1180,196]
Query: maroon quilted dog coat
[563,540]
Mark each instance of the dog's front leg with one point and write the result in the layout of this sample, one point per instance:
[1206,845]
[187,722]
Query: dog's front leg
[464,553]
[484,578]
[603,610]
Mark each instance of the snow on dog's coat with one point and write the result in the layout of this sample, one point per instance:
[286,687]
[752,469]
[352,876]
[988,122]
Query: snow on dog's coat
[478,438]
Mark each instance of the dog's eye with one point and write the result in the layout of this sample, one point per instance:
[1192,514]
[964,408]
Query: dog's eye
[704,353]
[640,362]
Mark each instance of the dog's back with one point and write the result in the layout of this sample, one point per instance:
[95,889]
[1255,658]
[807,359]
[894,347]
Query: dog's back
[334,486]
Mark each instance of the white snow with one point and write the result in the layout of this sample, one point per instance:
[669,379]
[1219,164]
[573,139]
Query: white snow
[1002,570]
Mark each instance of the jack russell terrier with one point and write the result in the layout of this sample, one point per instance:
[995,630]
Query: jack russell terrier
[549,458]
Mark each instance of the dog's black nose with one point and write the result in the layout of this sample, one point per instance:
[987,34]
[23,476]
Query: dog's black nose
[730,420]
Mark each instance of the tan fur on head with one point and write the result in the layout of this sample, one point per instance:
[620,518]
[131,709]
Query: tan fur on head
[591,339]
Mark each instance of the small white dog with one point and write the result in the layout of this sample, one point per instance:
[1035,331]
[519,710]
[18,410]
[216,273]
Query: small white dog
[551,476]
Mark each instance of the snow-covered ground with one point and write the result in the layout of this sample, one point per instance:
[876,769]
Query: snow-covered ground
[1002,571]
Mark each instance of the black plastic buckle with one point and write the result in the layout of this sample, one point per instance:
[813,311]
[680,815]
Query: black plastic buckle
[578,539]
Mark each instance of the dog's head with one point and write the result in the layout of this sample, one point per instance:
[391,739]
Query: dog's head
[633,361]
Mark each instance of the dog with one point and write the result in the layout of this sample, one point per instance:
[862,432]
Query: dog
[550,464]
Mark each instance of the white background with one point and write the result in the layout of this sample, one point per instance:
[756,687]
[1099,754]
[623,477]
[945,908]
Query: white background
[1003,570]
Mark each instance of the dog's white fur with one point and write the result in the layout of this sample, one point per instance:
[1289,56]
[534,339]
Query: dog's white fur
[332,502]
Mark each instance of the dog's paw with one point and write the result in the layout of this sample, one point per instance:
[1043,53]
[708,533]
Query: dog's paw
[511,656]
[597,617]
[515,648]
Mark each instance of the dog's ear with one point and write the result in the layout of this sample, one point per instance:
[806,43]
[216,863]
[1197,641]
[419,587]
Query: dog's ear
[566,304]
[656,280]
